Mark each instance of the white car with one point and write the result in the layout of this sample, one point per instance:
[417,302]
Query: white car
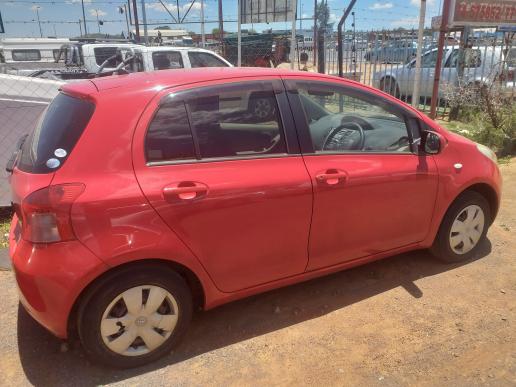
[164,58]
[482,66]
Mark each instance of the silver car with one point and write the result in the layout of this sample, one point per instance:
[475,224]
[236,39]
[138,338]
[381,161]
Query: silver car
[482,66]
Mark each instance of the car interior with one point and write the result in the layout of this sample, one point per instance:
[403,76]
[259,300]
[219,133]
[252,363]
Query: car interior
[340,123]
[226,125]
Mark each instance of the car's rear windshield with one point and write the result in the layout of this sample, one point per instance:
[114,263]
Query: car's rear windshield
[55,134]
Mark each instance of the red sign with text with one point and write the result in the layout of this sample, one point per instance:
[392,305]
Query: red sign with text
[485,13]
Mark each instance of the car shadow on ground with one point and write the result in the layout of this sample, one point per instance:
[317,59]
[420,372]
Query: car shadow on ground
[45,365]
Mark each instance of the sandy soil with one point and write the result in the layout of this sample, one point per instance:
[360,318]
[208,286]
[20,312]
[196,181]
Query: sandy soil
[407,320]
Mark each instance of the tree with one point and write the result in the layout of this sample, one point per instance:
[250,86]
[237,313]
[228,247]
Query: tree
[323,14]
[162,28]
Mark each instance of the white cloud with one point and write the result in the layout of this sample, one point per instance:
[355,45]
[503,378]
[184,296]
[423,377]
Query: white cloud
[417,3]
[196,6]
[173,7]
[158,7]
[406,22]
[381,6]
[93,12]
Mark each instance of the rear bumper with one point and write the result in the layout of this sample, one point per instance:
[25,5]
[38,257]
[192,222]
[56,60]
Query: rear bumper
[51,277]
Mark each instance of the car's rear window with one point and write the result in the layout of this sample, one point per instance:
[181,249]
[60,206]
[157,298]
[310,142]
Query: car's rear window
[55,134]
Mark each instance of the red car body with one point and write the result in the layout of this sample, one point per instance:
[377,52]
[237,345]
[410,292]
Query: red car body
[262,223]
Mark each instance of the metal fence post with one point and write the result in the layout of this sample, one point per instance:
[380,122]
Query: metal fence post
[417,78]
[440,48]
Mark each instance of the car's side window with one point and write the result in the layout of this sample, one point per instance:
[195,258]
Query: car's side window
[163,60]
[472,58]
[342,119]
[204,59]
[429,59]
[236,122]
[169,136]
[217,122]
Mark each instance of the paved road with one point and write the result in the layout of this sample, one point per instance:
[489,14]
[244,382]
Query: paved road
[402,321]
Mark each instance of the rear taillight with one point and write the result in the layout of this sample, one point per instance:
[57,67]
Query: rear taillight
[46,213]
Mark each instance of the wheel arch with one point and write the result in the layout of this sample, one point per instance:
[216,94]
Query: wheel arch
[192,280]
[484,189]
[386,77]
[489,193]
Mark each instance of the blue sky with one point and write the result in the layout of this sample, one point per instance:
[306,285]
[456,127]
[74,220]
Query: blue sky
[63,15]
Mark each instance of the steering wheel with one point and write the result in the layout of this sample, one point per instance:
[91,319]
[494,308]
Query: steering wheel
[274,141]
[356,119]
[341,137]
[400,145]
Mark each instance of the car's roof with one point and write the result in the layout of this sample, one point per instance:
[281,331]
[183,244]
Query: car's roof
[169,78]
[173,48]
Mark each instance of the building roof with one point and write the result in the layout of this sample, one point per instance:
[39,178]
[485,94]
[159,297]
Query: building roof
[164,33]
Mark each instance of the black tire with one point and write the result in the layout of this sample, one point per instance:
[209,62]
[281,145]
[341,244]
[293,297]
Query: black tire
[263,108]
[442,249]
[390,86]
[90,314]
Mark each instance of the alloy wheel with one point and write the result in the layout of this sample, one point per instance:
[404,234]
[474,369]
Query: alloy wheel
[262,108]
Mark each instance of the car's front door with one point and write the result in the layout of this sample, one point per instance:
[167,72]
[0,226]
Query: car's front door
[232,185]
[371,192]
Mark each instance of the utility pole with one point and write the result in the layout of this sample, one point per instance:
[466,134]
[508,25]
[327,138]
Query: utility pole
[301,18]
[136,23]
[239,35]
[80,26]
[124,10]
[440,49]
[84,18]
[39,22]
[293,42]
[314,40]
[221,23]
[203,36]
[417,78]
[98,21]
[144,16]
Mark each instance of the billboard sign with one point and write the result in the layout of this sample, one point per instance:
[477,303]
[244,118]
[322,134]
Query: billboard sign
[482,13]
[265,11]
[436,22]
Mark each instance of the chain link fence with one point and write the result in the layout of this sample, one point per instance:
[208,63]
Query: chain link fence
[382,59]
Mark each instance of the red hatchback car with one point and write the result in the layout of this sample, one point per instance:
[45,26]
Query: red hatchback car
[141,197]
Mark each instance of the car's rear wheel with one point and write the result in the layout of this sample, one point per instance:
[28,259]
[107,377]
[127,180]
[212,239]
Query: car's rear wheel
[390,86]
[134,317]
[463,228]
[262,108]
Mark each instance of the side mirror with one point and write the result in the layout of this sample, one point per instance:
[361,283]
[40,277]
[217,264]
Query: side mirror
[432,143]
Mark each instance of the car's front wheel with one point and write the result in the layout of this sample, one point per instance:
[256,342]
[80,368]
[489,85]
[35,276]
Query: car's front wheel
[135,316]
[463,228]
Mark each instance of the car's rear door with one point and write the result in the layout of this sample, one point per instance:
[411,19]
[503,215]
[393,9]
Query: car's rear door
[231,184]
[371,192]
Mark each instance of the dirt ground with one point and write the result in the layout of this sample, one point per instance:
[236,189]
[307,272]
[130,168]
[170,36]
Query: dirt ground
[406,320]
